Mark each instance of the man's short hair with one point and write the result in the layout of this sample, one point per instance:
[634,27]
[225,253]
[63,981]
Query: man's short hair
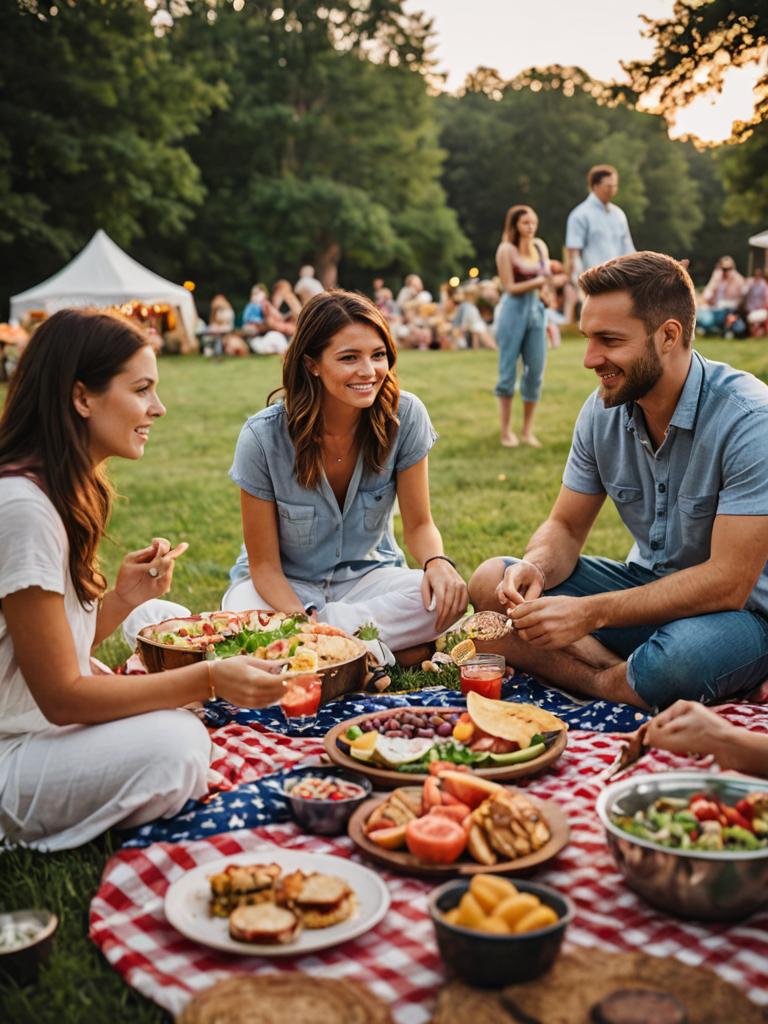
[596,174]
[660,288]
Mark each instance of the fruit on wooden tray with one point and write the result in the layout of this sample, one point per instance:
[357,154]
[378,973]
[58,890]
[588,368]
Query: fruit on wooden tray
[495,822]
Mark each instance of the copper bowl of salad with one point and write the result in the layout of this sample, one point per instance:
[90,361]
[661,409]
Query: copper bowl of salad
[691,843]
[311,647]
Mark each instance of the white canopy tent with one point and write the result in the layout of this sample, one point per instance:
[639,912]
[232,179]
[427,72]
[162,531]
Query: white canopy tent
[103,275]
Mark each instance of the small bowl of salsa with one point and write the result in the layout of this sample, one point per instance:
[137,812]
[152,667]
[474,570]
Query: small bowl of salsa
[322,799]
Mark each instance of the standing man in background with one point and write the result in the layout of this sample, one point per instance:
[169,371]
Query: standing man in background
[597,229]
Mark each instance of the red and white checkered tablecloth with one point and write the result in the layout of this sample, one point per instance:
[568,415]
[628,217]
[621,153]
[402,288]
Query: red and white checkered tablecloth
[398,959]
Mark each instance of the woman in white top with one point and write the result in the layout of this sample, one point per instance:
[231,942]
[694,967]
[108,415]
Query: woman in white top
[81,752]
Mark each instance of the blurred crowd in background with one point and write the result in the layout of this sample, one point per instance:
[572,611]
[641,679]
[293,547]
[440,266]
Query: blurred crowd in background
[461,315]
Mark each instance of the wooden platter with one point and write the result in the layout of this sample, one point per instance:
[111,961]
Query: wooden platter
[582,977]
[388,778]
[406,863]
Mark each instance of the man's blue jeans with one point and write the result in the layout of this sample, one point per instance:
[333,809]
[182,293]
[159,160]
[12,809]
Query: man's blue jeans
[709,658]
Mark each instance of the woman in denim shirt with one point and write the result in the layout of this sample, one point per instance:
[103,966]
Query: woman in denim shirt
[522,260]
[319,473]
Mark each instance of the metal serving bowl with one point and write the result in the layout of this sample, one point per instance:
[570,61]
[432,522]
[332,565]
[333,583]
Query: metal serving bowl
[343,677]
[708,885]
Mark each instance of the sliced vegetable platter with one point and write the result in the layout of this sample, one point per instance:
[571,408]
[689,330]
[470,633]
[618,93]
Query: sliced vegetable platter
[404,861]
[417,723]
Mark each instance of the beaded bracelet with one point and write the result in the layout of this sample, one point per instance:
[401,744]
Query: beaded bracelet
[445,558]
[211,687]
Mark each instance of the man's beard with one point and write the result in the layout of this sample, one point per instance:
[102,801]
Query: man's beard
[639,378]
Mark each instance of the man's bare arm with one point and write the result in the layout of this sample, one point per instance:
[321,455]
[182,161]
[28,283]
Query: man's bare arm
[738,553]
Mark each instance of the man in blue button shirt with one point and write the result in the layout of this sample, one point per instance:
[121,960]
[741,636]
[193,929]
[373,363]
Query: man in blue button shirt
[680,444]
[597,229]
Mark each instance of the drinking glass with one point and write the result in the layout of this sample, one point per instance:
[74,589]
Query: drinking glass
[483,674]
[301,701]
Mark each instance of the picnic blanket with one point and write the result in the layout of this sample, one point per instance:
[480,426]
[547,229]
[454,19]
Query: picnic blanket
[398,959]
[600,715]
[255,744]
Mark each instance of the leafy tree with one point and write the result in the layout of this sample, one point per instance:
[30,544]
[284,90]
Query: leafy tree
[327,152]
[695,47]
[533,139]
[744,169]
[94,115]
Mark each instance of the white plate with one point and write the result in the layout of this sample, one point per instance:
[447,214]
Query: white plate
[186,902]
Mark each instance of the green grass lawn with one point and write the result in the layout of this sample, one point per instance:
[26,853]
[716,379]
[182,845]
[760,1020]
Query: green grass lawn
[486,500]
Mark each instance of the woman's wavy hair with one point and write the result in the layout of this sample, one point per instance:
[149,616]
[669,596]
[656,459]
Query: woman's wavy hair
[514,213]
[41,430]
[320,319]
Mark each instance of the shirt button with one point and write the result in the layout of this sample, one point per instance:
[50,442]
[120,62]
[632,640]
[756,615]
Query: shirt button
[662,488]
[655,545]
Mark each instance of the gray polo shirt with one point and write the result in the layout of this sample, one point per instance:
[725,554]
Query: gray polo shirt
[600,231]
[714,461]
[319,542]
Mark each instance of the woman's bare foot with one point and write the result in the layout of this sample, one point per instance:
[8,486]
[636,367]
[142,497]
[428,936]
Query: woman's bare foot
[510,440]
[532,440]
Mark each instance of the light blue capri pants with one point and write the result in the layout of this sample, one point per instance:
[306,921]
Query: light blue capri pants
[521,331]
[710,658]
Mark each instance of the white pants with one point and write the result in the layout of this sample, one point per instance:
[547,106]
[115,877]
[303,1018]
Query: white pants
[389,597]
[66,785]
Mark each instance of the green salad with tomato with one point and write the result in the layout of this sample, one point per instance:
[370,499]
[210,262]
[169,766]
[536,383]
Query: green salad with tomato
[701,822]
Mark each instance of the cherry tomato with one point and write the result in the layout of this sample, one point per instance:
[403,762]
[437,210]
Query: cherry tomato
[435,839]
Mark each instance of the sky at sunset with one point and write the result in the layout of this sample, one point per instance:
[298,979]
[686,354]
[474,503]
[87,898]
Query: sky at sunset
[512,35]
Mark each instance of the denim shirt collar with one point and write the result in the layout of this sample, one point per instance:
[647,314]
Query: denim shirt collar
[598,203]
[687,408]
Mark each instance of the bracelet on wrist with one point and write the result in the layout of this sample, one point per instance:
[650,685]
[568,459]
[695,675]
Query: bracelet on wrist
[539,569]
[443,558]
[211,684]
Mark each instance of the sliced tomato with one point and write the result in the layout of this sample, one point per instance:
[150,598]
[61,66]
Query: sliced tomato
[431,795]
[435,839]
[435,767]
[264,618]
[456,812]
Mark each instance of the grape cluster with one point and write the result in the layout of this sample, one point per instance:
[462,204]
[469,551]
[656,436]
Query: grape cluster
[408,724]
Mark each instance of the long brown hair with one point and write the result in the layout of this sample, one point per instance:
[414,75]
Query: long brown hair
[41,428]
[514,213]
[320,319]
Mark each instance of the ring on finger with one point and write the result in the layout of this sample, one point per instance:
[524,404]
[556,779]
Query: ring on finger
[153,572]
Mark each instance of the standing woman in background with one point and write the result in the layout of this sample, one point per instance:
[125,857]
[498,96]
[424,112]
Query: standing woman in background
[81,751]
[522,261]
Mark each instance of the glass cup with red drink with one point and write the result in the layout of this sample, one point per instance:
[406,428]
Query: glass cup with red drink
[301,701]
[483,674]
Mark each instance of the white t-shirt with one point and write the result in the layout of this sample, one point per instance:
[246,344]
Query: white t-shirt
[34,552]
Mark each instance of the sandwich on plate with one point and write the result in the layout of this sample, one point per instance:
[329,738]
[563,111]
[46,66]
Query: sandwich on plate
[242,885]
[321,900]
[265,923]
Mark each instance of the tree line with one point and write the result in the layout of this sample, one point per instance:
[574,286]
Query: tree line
[250,138]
